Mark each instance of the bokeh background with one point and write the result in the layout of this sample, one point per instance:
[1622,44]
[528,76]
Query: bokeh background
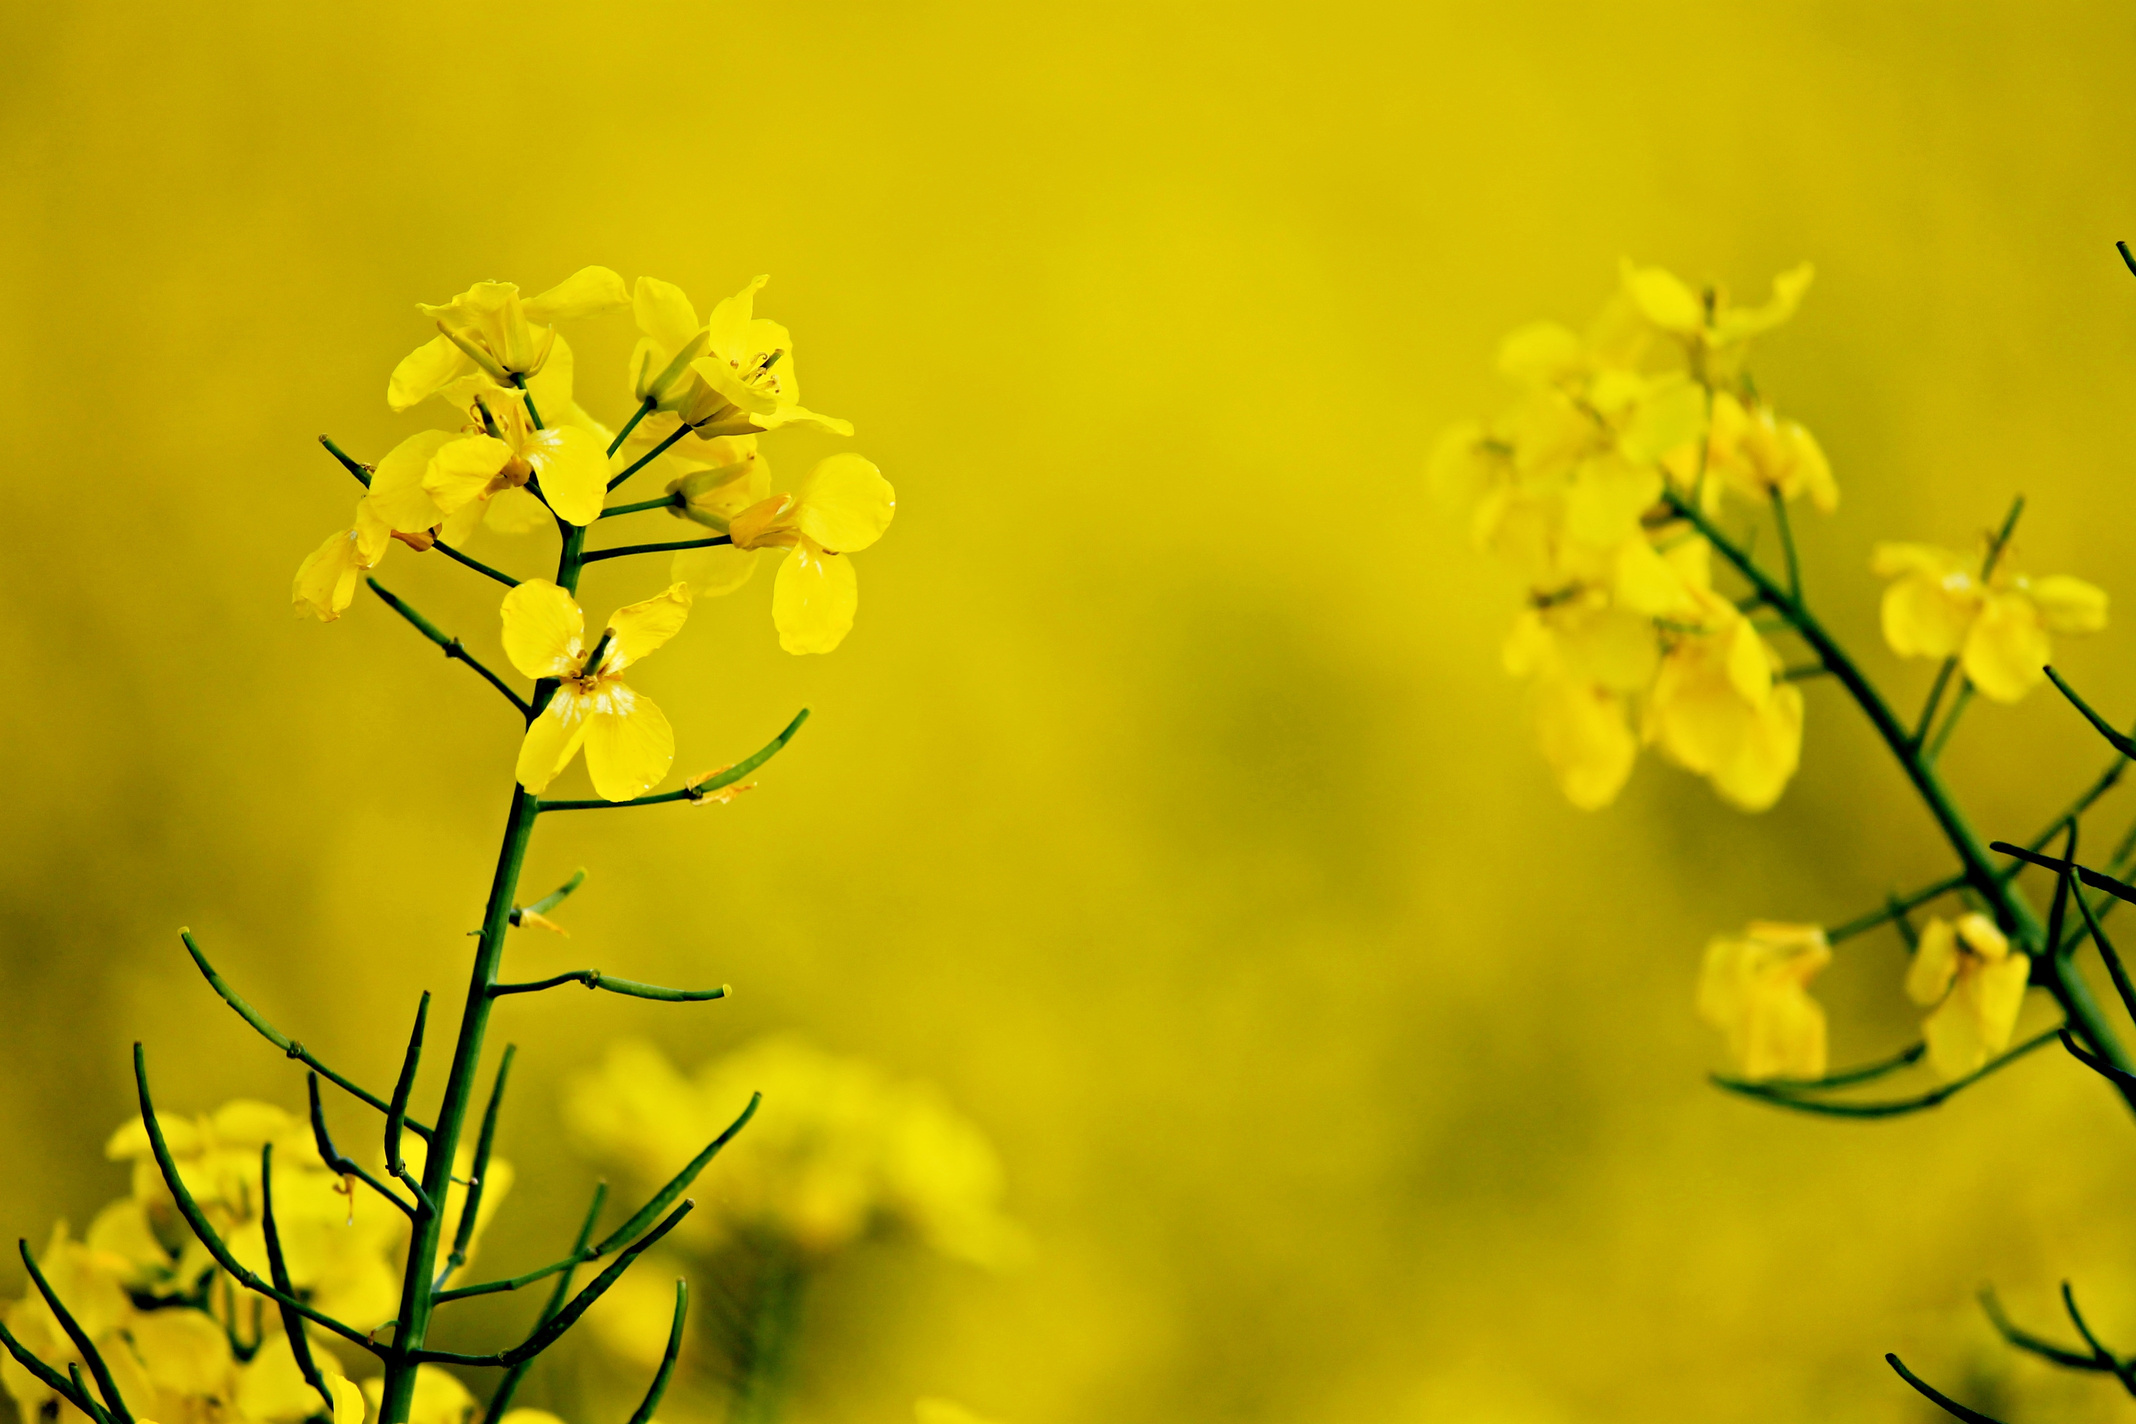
[1167,807]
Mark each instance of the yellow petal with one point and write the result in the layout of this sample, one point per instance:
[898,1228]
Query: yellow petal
[462,469]
[814,600]
[665,315]
[1935,963]
[515,511]
[2069,605]
[326,580]
[1889,560]
[1540,352]
[440,1398]
[1663,298]
[1979,934]
[1460,470]
[1670,412]
[1741,323]
[1996,993]
[348,1400]
[397,495]
[1768,754]
[544,631]
[845,504]
[728,326]
[643,626]
[2006,648]
[1603,506]
[552,739]
[590,291]
[714,571]
[629,744]
[1586,740]
[1646,581]
[425,371]
[572,465]
[551,385]
[1927,617]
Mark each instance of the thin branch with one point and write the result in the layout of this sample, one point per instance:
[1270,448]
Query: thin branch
[2034,1344]
[595,979]
[1787,543]
[645,407]
[1941,1400]
[397,1112]
[278,1272]
[2104,728]
[47,1376]
[289,1046]
[551,900]
[703,788]
[198,1221]
[551,1330]
[361,471]
[1921,1103]
[2107,1358]
[666,501]
[655,453]
[653,1394]
[471,1204]
[476,564]
[599,554]
[83,1345]
[1846,1078]
[339,1165]
[501,1401]
[452,646]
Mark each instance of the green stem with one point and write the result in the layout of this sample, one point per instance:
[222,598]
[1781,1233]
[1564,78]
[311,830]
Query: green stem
[1787,544]
[666,501]
[1963,700]
[651,455]
[645,408]
[2054,972]
[666,548]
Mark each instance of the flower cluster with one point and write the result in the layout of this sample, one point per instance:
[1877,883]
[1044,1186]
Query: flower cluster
[185,1343]
[525,454]
[1580,488]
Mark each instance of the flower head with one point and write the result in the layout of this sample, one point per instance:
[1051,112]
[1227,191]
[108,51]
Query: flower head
[1713,330]
[326,580]
[1755,989]
[841,506]
[747,373]
[629,745]
[490,329]
[1719,709]
[450,480]
[1938,606]
[1973,982]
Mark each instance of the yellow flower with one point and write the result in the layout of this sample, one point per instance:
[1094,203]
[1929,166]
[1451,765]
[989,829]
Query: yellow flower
[1938,607]
[838,1152]
[490,329]
[841,506]
[1974,983]
[1587,660]
[439,1398]
[1717,709]
[440,478]
[629,745]
[747,374]
[1755,989]
[326,580]
[670,338]
[1708,324]
[1755,453]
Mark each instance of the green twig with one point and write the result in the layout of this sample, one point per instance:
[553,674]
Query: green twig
[339,1165]
[716,539]
[361,471]
[658,1389]
[703,788]
[476,564]
[1921,1103]
[278,1272]
[651,455]
[666,501]
[452,646]
[501,1401]
[1937,1397]
[478,1175]
[595,979]
[83,1345]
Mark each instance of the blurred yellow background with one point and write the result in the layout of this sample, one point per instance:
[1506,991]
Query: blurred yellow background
[1167,807]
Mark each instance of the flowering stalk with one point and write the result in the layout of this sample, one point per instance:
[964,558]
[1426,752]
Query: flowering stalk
[525,456]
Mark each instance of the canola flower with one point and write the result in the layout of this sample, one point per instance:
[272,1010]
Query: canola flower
[254,1258]
[1610,489]
[849,1155]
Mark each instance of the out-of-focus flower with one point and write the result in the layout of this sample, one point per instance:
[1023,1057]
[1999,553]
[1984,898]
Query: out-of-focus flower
[1998,628]
[1713,329]
[837,1152]
[439,1398]
[1755,989]
[629,744]
[838,508]
[1754,453]
[1717,707]
[326,580]
[172,1363]
[1973,982]
[490,329]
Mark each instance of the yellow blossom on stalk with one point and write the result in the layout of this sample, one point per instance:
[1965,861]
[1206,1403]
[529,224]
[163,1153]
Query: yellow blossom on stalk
[1998,627]
[838,1151]
[1713,330]
[326,580]
[747,374]
[1588,661]
[629,745]
[490,329]
[838,508]
[1973,982]
[1756,454]
[439,1398]
[1755,989]
[449,480]
[1718,709]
